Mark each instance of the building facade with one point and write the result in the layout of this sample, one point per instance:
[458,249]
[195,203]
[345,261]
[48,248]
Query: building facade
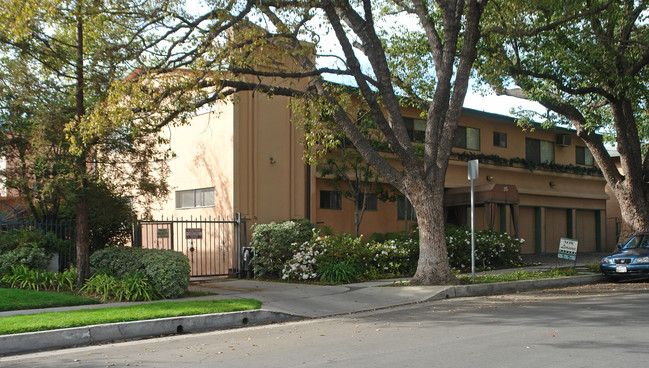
[246,157]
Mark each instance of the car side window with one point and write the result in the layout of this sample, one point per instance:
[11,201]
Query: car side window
[645,242]
[633,243]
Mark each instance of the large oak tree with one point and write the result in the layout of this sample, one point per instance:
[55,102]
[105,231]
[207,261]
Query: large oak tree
[586,62]
[246,45]
[59,61]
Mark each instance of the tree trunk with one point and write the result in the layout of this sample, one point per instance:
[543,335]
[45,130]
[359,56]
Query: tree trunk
[634,209]
[82,231]
[82,242]
[433,267]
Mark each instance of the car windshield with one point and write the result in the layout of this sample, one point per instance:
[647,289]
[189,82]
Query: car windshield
[638,241]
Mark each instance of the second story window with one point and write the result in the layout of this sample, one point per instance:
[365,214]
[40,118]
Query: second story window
[584,157]
[194,198]
[466,137]
[500,139]
[539,151]
[330,200]
[416,129]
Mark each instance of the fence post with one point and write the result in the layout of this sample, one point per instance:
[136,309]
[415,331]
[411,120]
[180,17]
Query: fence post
[238,246]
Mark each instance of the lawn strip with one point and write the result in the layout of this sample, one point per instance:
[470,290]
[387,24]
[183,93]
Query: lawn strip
[17,299]
[86,317]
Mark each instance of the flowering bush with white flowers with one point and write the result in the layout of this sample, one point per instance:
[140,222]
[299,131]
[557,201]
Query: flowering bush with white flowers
[492,249]
[395,257]
[311,257]
[275,244]
[344,258]
[302,266]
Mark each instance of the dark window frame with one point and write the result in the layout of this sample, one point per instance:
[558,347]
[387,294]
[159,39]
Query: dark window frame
[500,139]
[404,206]
[371,202]
[415,135]
[461,138]
[581,156]
[533,150]
[330,200]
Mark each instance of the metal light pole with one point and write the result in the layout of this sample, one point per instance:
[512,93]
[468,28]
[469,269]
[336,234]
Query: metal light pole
[473,174]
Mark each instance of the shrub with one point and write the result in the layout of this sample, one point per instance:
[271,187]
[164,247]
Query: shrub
[395,257]
[342,272]
[492,249]
[22,277]
[14,239]
[344,258]
[275,244]
[302,265]
[167,270]
[28,256]
[130,287]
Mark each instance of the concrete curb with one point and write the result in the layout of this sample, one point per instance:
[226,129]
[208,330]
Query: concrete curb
[514,286]
[80,336]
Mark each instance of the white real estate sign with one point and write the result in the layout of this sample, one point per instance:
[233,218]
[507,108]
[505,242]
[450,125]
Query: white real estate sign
[568,249]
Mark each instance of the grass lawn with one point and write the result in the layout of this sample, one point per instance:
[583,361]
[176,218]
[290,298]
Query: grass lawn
[54,320]
[15,299]
[518,275]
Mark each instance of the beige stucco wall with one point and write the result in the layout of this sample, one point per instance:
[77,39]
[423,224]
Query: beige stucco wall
[204,158]
[270,174]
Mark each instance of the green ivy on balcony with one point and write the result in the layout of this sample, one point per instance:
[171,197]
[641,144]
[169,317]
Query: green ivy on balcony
[531,166]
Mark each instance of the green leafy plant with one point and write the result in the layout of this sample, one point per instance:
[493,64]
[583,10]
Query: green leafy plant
[17,238]
[22,277]
[168,271]
[275,244]
[29,256]
[343,272]
[492,249]
[136,287]
[100,285]
[593,267]
[130,287]
[61,281]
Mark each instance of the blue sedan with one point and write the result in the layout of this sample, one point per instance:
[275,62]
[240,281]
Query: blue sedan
[632,259]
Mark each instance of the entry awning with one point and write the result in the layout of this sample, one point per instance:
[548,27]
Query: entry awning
[487,193]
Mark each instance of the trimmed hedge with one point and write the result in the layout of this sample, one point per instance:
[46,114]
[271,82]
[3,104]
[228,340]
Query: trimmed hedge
[167,270]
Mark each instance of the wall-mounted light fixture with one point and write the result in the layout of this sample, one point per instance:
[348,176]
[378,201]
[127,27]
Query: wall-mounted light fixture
[553,184]
[490,178]
[272,160]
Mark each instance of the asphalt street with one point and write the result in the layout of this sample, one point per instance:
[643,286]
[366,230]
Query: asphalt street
[585,326]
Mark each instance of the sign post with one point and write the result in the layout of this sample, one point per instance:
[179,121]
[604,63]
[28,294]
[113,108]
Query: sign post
[473,174]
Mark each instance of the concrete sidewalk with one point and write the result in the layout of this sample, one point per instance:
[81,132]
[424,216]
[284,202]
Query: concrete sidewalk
[281,302]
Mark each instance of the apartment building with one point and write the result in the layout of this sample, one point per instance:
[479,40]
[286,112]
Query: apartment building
[246,157]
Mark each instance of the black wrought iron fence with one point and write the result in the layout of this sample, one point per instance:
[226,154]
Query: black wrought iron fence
[213,246]
[64,230]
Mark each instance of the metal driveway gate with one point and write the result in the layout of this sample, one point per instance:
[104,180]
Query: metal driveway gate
[212,246]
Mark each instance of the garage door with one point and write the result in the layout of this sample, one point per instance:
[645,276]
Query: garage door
[556,227]
[586,230]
